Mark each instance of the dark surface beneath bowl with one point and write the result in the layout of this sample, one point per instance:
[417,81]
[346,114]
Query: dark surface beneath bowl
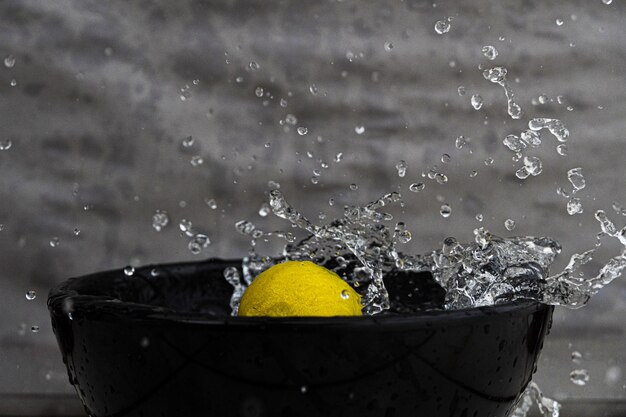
[163,345]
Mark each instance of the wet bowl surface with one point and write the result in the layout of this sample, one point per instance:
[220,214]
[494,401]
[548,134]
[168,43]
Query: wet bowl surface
[160,343]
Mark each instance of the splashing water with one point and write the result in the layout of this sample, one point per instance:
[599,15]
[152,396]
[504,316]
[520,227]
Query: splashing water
[357,238]
[488,271]
[497,75]
[197,241]
[231,274]
[547,406]
[362,248]
[554,126]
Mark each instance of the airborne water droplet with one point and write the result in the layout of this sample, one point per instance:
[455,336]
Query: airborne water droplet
[577,357]
[514,143]
[258,92]
[196,160]
[576,178]
[574,206]
[579,377]
[401,168]
[490,52]
[531,137]
[477,101]
[273,185]
[388,46]
[160,220]
[416,187]
[54,242]
[290,119]
[509,224]
[264,210]
[187,142]
[302,130]
[198,242]
[9,61]
[345,294]
[461,90]
[442,26]
[5,145]
[211,203]
[359,130]
[129,270]
[253,65]
[31,295]
[445,211]
[533,165]
[460,142]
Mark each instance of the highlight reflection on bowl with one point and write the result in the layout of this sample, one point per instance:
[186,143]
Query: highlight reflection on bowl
[161,343]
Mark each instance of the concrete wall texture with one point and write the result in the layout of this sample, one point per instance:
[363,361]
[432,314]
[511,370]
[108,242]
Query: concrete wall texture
[96,121]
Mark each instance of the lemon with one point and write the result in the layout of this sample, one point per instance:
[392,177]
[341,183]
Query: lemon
[299,288]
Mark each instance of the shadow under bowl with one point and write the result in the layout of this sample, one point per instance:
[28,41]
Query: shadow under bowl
[160,342]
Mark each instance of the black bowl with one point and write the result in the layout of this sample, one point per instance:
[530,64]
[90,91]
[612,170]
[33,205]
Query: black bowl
[161,343]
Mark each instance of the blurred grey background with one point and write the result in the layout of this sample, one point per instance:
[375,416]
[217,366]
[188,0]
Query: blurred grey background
[101,95]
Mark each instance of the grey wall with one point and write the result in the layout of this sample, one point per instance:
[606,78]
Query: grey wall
[96,120]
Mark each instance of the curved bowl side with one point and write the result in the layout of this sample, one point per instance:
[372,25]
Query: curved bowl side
[475,362]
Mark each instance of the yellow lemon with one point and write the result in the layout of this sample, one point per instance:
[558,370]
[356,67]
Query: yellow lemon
[299,288]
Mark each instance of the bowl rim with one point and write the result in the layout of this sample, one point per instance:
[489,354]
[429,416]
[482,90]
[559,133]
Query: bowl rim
[109,308]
